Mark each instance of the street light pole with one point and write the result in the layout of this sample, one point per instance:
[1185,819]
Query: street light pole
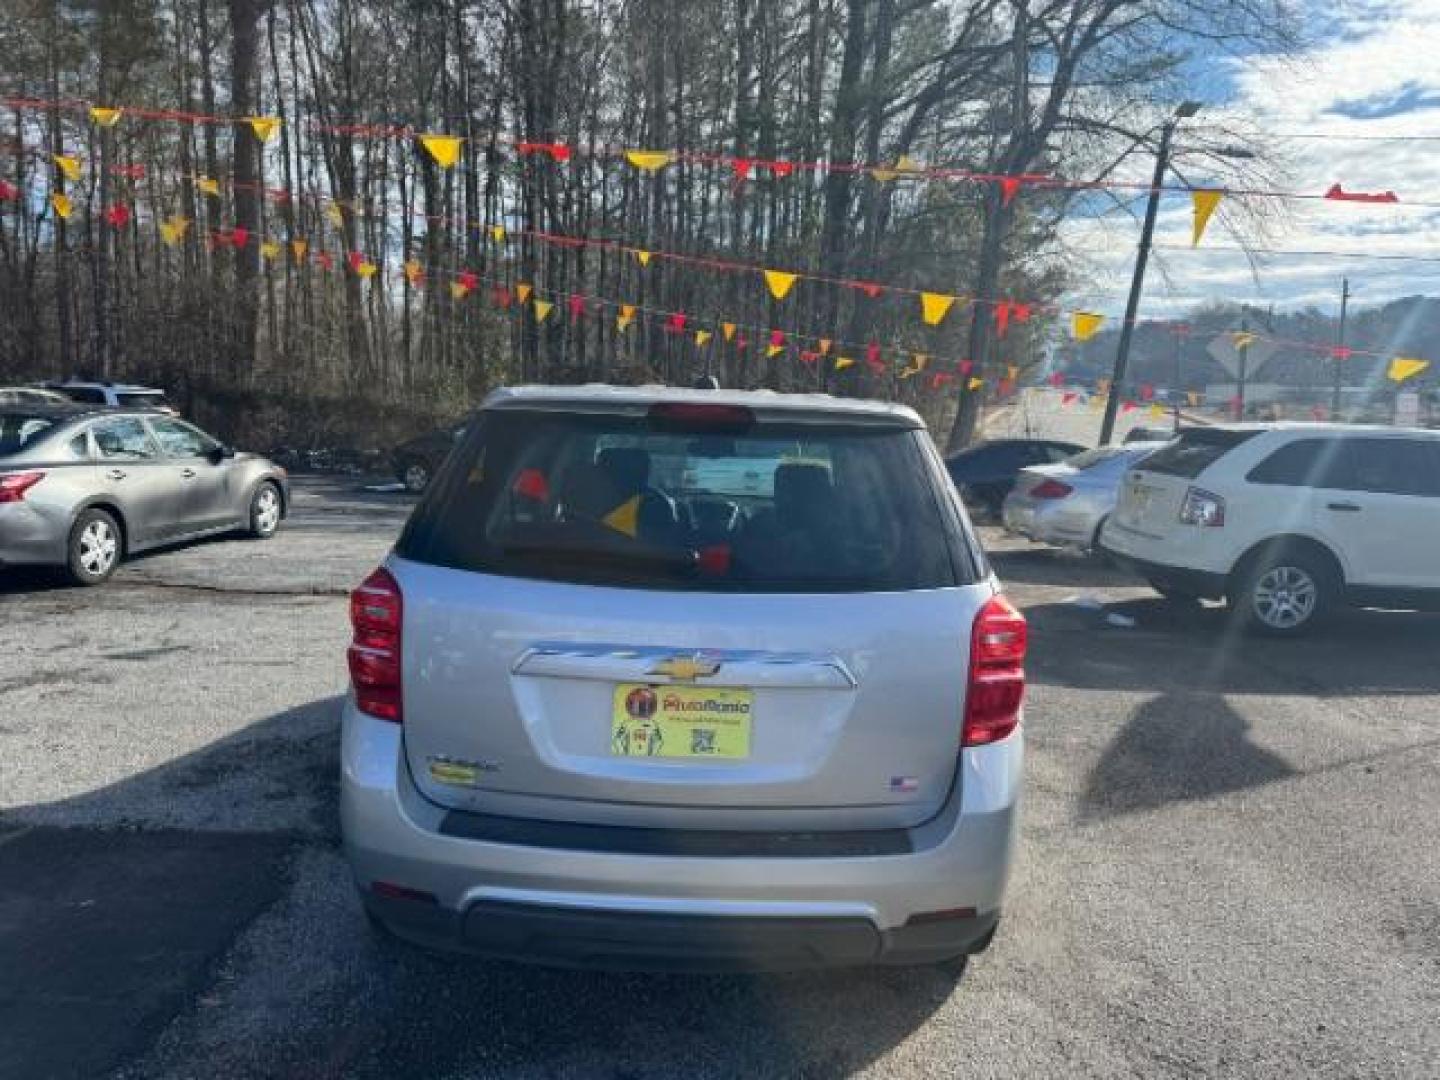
[1340,349]
[1137,282]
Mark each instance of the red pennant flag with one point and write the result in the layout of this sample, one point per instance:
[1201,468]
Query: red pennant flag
[1002,317]
[808,356]
[558,152]
[1128,407]
[676,323]
[1146,391]
[872,358]
[742,343]
[869,288]
[239,237]
[1340,352]
[356,259]
[279,195]
[501,296]
[118,215]
[939,379]
[966,367]
[1007,387]
[577,307]
[129,172]
[468,279]
[777,338]
[8,192]
[325,260]
[781,168]
[742,168]
[1057,379]
[1338,192]
[1069,398]
[1009,185]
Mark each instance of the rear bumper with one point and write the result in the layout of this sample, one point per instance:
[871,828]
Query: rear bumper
[621,909]
[29,536]
[1049,522]
[1201,583]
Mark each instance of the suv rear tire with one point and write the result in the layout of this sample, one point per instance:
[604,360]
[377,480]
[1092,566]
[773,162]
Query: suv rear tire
[94,548]
[1284,593]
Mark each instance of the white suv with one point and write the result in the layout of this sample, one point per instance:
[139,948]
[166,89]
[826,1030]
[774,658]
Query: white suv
[1286,521]
[685,678]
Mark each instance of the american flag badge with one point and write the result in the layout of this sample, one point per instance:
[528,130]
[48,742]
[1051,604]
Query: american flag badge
[904,783]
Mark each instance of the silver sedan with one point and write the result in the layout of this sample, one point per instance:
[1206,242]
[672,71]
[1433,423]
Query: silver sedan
[83,487]
[1066,504]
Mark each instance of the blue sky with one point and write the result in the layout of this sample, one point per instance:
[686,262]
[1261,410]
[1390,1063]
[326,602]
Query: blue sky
[1374,71]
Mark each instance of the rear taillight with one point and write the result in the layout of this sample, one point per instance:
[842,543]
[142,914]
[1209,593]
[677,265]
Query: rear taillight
[376,614]
[997,673]
[1050,489]
[1203,508]
[14,485]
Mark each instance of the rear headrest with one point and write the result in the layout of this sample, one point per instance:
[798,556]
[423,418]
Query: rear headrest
[800,486]
[627,466]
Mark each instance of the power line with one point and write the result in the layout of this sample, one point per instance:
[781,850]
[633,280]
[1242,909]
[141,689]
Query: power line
[1316,253]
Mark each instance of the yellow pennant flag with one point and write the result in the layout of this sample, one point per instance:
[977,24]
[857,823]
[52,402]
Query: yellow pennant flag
[1102,387]
[825,344]
[522,292]
[625,318]
[780,283]
[264,127]
[1403,367]
[366,269]
[208,185]
[105,117]
[497,233]
[643,256]
[298,248]
[934,307]
[542,310]
[842,362]
[774,350]
[728,329]
[916,367]
[69,166]
[335,215]
[1011,371]
[459,290]
[173,231]
[901,167]
[1204,202]
[1193,397]
[702,337]
[975,384]
[648,160]
[414,272]
[1084,325]
[1156,410]
[269,250]
[1243,339]
[625,518]
[62,205]
[445,149]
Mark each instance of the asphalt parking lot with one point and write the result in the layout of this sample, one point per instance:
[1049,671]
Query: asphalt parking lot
[1229,864]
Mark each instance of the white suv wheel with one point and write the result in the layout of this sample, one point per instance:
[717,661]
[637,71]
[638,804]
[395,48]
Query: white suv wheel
[1284,597]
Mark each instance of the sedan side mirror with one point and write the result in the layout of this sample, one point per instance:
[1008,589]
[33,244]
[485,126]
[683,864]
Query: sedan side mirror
[220,452]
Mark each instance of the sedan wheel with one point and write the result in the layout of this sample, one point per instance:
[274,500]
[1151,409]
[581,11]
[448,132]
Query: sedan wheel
[94,547]
[265,511]
[416,476]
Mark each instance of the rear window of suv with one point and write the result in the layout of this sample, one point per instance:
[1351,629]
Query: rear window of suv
[617,500]
[1195,451]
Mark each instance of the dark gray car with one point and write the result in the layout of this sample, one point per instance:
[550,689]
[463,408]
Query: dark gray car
[82,487]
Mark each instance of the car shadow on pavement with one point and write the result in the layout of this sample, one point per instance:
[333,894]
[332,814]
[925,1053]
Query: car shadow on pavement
[1175,748]
[216,879]
[33,579]
[1056,566]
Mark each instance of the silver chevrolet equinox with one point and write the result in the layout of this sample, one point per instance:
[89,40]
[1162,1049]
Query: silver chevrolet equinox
[688,679]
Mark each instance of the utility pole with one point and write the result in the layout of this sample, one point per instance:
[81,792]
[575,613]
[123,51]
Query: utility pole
[1340,350]
[1182,332]
[1137,282]
[1244,351]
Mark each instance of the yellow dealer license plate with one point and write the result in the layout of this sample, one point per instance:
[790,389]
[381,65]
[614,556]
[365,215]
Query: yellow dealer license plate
[680,722]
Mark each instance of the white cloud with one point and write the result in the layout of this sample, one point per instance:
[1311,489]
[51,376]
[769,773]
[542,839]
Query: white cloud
[1383,53]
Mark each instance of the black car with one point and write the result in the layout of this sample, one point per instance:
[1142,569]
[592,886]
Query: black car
[416,461]
[984,474]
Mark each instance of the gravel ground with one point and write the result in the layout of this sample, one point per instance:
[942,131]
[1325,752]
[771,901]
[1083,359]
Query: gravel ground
[1228,865]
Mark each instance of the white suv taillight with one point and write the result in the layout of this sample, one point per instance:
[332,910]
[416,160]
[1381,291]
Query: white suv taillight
[997,673]
[376,610]
[1203,508]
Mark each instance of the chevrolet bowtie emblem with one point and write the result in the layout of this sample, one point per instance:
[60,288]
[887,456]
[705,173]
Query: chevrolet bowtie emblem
[686,668]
